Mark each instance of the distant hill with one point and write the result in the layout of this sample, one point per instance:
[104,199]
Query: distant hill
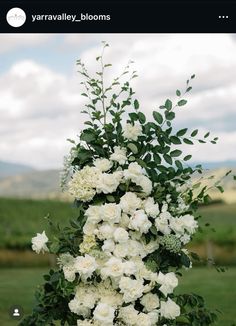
[9,169]
[34,184]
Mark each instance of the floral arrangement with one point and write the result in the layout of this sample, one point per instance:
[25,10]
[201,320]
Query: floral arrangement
[121,259]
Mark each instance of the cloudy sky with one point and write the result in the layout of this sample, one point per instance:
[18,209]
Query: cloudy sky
[40,100]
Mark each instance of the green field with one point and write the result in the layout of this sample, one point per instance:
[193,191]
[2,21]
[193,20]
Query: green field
[219,289]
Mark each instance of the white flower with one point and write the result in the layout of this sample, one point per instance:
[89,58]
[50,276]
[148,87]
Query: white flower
[89,228]
[154,316]
[130,202]
[132,289]
[85,322]
[185,238]
[105,231]
[119,155]
[162,223]
[104,314]
[150,301]
[69,272]
[102,164]
[139,221]
[108,245]
[135,248]
[129,268]
[86,295]
[108,183]
[177,225]
[129,315]
[150,247]
[113,268]
[77,308]
[132,132]
[83,183]
[121,250]
[93,214]
[39,243]
[169,309]
[85,266]
[121,235]
[151,208]
[168,282]
[189,223]
[145,183]
[144,319]
[133,172]
[111,213]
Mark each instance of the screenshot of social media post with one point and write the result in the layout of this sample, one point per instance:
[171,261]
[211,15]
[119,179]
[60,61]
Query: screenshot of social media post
[117,165]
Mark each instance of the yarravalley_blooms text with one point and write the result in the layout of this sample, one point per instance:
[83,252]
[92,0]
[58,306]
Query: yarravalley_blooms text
[120,261]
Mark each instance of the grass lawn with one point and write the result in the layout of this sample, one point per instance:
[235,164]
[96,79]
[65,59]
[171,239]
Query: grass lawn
[17,287]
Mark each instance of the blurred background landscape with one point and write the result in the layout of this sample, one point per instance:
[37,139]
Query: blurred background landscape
[40,106]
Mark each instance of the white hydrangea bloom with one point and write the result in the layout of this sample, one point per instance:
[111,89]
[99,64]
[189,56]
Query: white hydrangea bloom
[169,309]
[103,164]
[39,243]
[131,132]
[119,155]
[168,282]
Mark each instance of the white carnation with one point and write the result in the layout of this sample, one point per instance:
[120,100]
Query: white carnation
[151,208]
[150,301]
[103,164]
[121,235]
[108,183]
[104,313]
[85,265]
[132,132]
[132,289]
[139,221]
[119,155]
[130,202]
[111,213]
[169,309]
[168,282]
[39,243]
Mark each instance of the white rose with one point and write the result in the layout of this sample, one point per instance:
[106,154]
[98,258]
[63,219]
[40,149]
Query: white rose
[135,248]
[69,273]
[150,301]
[185,238]
[132,132]
[154,316]
[139,222]
[85,266]
[121,250]
[189,223]
[162,223]
[151,208]
[102,164]
[133,172]
[168,282]
[145,183]
[111,213]
[108,183]
[119,155]
[93,214]
[144,319]
[121,235]
[105,231]
[89,228]
[132,289]
[129,315]
[177,225]
[108,245]
[104,314]
[129,268]
[130,202]
[85,322]
[113,268]
[39,243]
[169,309]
